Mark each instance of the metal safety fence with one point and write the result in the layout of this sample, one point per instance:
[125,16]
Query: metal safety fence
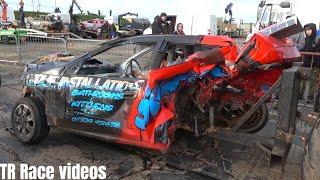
[78,47]
[28,48]
[310,87]
[119,54]
[9,51]
[31,48]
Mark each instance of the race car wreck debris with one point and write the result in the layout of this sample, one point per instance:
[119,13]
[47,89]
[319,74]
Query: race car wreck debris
[181,85]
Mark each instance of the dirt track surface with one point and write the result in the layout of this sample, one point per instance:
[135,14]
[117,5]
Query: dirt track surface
[189,158]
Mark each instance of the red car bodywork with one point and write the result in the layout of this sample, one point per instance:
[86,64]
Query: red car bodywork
[175,93]
[267,50]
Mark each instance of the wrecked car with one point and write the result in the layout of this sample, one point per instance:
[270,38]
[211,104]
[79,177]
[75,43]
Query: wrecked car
[94,24]
[139,90]
[48,22]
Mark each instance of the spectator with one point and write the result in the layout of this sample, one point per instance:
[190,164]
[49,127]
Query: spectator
[159,23]
[100,33]
[179,30]
[209,32]
[310,46]
[58,25]
[310,43]
[104,29]
[21,15]
[112,31]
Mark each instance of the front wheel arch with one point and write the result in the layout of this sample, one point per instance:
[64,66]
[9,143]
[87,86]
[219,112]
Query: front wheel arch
[28,92]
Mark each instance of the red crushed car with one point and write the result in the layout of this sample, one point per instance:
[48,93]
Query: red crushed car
[139,90]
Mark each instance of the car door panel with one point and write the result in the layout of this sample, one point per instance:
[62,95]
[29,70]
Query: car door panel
[100,103]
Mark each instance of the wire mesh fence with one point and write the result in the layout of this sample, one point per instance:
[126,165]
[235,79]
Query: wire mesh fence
[9,50]
[25,49]
[118,54]
[78,47]
[32,48]
[28,48]
[311,60]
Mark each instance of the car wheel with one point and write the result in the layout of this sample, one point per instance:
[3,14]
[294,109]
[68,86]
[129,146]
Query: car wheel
[257,121]
[5,39]
[28,121]
[311,162]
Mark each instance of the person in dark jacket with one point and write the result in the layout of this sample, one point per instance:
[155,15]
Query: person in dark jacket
[179,30]
[310,43]
[21,15]
[57,25]
[112,29]
[159,24]
[310,61]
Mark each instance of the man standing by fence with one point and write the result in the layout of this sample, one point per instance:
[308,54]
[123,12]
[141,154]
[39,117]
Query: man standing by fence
[160,24]
[310,61]
[310,43]
[112,29]
[21,14]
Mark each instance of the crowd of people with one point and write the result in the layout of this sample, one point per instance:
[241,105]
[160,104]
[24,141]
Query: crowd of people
[108,28]
[160,25]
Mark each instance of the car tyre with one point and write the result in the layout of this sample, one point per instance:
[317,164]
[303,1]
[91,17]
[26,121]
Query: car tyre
[28,120]
[5,39]
[260,118]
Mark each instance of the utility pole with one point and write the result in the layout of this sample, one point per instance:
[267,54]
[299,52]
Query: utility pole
[32,6]
[39,6]
[192,24]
